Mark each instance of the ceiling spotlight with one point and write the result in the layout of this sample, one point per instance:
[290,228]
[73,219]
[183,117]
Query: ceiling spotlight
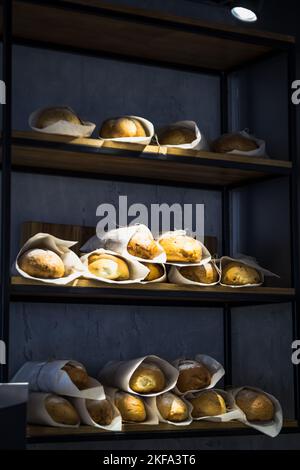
[246,10]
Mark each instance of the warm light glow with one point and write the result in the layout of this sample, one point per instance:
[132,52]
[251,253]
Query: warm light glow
[243,14]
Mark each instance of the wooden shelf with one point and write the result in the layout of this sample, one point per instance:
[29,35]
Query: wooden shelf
[138,431]
[141,34]
[89,158]
[88,291]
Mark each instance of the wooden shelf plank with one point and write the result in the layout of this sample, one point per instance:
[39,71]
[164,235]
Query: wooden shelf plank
[127,32]
[140,431]
[85,157]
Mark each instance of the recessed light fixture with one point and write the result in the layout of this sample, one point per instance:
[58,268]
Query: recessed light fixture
[246,10]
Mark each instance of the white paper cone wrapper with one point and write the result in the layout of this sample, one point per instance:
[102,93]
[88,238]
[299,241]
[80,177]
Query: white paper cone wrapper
[272,428]
[80,405]
[247,261]
[137,271]
[233,412]
[49,377]
[135,140]
[117,240]
[259,152]
[62,127]
[206,256]
[163,278]
[37,412]
[187,422]
[199,143]
[117,374]
[151,419]
[176,277]
[214,367]
[72,263]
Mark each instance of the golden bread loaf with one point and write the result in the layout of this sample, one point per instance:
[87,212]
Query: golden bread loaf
[208,403]
[172,408]
[50,116]
[108,267]
[147,378]
[206,274]
[132,408]
[142,245]
[122,127]
[193,376]
[181,248]
[101,411]
[238,274]
[230,142]
[77,374]
[41,263]
[156,271]
[176,136]
[61,410]
[256,406]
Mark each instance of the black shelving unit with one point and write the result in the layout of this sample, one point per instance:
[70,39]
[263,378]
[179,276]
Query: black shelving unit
[251,48]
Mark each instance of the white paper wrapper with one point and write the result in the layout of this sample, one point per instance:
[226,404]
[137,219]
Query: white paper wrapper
[176,277]
[206,256]
[80,405]
[137,271]
[187,422]
[73,265]
[62,127]
[233,411]
[259,152]
[215,368]
[272,428]
[38,414]
[117,240]
[163,278]
[247,261]
[135,140]
[117,374]
[49,377]
[199,143]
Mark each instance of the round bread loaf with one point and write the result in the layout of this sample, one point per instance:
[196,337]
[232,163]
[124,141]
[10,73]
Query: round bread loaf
[78,374]
[256,406]
[132,408]
[208,403]
[147,378]
[181,248]
[206,274]
[230,142]
[50,116]
[176,136]
[122,127]
[142,245]
[172,408]
[156,271]
[193,376]
[238,274]
[101,411]
[108,267]
[61,410]
[40,263]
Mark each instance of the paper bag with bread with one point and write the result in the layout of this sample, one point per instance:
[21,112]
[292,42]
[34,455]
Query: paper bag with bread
[213,405]
[130,129]
[242,271]
[183,250]
[48,409]
[183,135]
[205,275]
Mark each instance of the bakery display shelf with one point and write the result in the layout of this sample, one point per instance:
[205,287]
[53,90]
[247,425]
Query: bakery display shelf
[125,33]
[84,157]
[42,434]
[88,291]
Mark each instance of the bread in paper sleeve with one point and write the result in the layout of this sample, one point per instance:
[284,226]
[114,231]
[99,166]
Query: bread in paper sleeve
[143,140]
[118,374]
[225,144]
[176,276]
[204,255]
[63,125]
[182,135]
[120,241]
[51,377]
[169,396]
[160,274]
[151,416]
[232,411]
[41,410]
[256,273]
[213,369]
[137,271]
[270,428]
[82,407]
[73,267]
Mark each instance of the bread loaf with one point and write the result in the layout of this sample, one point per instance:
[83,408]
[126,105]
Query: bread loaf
[108,267]
[77,374]
[176,136]
[181,248]
[208,403]
[230,142]
[192,376]
[61,410]
[142,245]
[156,271]
[206,274]
[172,408]
[147,378]
[238,274]
[49,116]
[44,264]
[132,408]
[256,406]
[122,127]
[101,411]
